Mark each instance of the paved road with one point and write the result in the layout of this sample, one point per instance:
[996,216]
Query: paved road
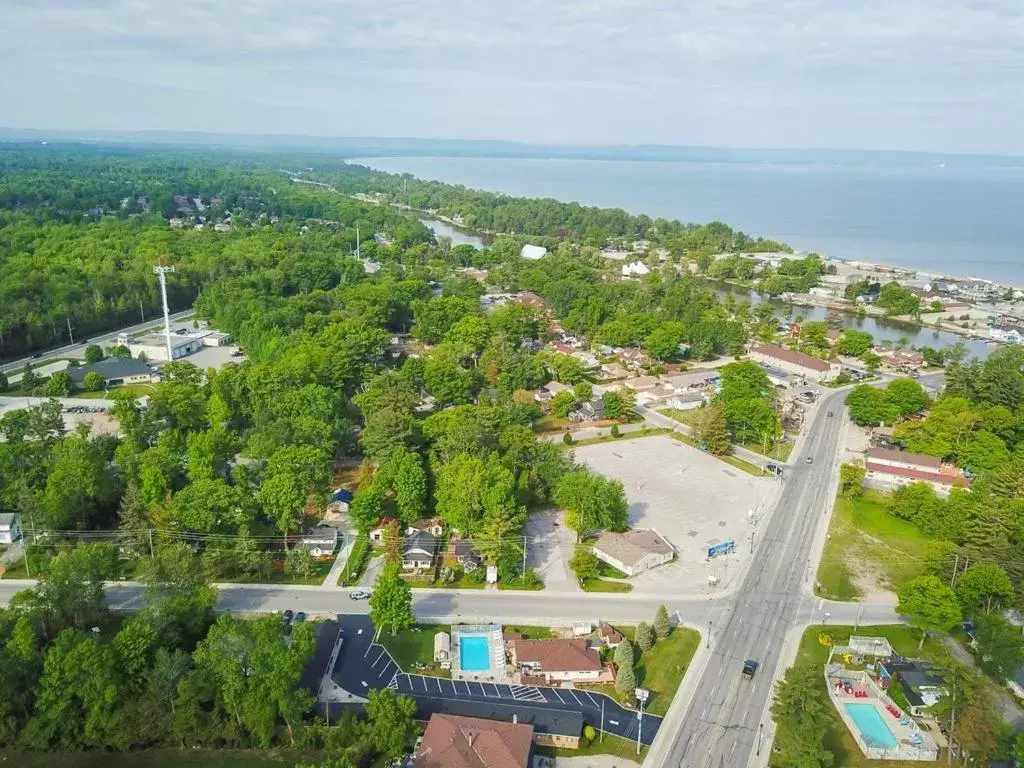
[549,608]
[720,723]
[78,350]
[8,403]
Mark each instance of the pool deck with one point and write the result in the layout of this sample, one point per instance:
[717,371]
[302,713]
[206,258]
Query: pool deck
[497,672]
[912,742]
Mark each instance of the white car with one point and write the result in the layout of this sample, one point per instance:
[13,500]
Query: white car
[359,595]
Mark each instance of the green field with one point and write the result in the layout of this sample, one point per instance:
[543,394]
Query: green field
[645,432]
[865,540]
[610,745]
[838,739]
[601,585]
[128,389]
[660,670]
[415,645]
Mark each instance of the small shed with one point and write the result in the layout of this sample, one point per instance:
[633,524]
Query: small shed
[582,628]
[492,574]
[443,649]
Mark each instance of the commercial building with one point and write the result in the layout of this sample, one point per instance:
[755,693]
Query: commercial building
[183,343]
[557,660]
[634,551]
[797,363]
[533,252]
[888,469]
[453,741]
[115,371]
[551,727]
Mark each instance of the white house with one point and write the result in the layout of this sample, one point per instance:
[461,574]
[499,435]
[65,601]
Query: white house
[533,252]
[636,269]
[10,528]
[320,541]
[1008,333]
[419,552]
[686,401]
[634,551]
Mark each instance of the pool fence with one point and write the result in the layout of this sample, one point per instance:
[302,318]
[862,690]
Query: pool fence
[918,746]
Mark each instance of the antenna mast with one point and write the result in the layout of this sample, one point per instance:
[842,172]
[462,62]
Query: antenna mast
[161,272]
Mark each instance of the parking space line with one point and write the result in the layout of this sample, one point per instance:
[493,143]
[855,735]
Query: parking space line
[575,697]
[596,704]
[558,695]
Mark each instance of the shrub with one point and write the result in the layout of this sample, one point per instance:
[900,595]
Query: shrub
[567,438]
[615,430]
[589,733]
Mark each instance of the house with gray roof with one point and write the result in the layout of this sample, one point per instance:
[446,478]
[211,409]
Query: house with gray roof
[634,551]
[10,527]
[115,371]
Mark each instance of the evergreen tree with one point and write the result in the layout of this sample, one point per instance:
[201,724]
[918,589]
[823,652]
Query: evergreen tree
[645,636]
[624,654]
[712,431]
[391,601]
[625,680]
[661,625]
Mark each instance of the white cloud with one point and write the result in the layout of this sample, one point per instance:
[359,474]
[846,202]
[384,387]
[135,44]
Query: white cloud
[741,72]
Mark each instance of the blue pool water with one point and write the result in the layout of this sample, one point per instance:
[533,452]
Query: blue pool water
[872,727]
[474,653]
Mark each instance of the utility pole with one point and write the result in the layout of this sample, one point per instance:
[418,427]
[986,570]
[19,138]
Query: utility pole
[357,241]
[956,564]
[142,312]
[161,273]
[641,696]
[151,542]
[708,645]
[524,561]
[860,608]
[760,731]
[602,720]
[70,336]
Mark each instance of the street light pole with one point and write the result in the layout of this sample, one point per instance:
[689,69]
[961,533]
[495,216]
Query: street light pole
[709,634]
[760,730]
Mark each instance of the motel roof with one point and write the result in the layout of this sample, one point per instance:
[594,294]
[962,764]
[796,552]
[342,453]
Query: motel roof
[794,358]
[917,459]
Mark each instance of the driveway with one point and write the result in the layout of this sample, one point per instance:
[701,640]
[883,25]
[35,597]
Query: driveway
[373,569]
[549,547]
[1008,706]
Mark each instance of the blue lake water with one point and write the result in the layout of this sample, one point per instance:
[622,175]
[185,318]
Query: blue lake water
[956,220]
[474,653]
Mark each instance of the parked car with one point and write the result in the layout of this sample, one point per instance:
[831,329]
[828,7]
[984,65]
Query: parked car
[749,668]
[288,615]
[830,414]
[299,617]
[359,594]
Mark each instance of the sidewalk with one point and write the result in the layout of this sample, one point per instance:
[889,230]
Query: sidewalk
[331,580]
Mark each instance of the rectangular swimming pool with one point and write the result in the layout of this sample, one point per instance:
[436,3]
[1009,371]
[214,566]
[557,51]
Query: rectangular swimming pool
[872,727]
[474,653]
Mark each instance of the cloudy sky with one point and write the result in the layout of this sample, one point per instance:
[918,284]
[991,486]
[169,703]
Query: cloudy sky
[943,75]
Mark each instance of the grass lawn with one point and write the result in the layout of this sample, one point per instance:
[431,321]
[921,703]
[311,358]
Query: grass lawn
[746,466]
[166,758]
[660,669]
[275,574]
[128,389]
[863,539]
[689,418]
[528,632]
[778,451]
[609,571]
[356,564]
[463,582]
[531,586]
[838,739]
[415,646]
[646,432]
[600,585]
[611,745]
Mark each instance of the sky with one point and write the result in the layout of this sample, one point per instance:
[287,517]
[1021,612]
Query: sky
[936,75]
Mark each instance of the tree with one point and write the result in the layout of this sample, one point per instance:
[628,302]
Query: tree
[711,430]
[391,601]
[663,343]
[592,502]
[458,491]
[851,480]
[566,369]
[624,658]
[906,396]
[645,636]
[179,600]
[585,564]
[93,382]
[930,605]
[386,431]
[78,485]
[625,679]
[299,563]
[984,587]
[612,404]
[93,353]
[562,404]
[1000,646]
[854,343]
[583,391]
[29,378]
[58,385]
[392,721]
[897,300]
[869,406]
[661,624]
[802,710]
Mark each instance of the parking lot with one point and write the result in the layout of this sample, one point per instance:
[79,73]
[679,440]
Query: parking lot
[692,499]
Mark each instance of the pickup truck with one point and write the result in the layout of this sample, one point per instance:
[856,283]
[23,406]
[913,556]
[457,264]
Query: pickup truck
[749,668]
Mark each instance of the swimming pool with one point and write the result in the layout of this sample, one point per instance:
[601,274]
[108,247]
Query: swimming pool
[873,729]
[474,653]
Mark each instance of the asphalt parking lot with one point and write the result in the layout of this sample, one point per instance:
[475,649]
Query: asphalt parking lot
[549,548]
[363,664]
[691,498]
